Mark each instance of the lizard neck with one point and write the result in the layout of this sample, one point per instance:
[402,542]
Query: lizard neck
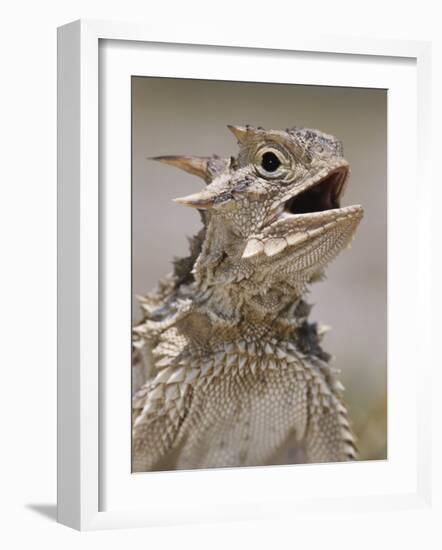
[208,326]
[227,313]
[219,307]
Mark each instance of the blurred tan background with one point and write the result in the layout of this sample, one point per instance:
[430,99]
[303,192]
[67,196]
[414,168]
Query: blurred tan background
[176,116]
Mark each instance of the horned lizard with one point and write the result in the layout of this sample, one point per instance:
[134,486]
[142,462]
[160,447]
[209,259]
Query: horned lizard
[228,371]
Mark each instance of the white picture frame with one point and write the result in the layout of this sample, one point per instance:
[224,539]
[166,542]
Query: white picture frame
[84,466]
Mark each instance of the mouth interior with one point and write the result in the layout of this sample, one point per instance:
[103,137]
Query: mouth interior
[323,195]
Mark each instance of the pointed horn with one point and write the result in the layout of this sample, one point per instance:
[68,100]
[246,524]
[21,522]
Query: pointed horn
[240,132]
[202,200]
[198,166]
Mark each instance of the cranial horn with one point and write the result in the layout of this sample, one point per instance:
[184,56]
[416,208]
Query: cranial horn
[240,132]
[203,200]
[198,166]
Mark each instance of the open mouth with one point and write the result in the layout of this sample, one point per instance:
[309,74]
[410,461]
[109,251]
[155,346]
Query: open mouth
[323,195]
[314,213]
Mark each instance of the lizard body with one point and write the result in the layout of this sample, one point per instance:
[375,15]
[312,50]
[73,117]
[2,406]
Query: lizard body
[229,369]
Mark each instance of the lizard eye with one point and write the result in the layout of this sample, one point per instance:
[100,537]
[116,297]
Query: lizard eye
[270,162]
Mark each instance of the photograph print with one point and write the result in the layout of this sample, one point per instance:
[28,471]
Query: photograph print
[259,274]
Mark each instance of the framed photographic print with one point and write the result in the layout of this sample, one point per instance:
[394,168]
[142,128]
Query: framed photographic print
[196,364]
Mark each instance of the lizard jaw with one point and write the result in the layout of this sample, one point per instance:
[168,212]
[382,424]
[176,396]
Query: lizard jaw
[295,231]
[307,215]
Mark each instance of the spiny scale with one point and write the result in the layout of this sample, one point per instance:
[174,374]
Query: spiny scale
[233,357]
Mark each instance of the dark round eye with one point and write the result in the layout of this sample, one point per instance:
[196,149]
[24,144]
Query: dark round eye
[270,162]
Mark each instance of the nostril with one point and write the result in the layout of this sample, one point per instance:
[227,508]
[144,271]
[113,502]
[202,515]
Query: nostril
[241,187]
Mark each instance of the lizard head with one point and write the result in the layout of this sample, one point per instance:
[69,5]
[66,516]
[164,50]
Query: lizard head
[272,213]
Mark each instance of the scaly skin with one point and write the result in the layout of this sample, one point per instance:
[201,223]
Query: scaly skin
[228,370]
